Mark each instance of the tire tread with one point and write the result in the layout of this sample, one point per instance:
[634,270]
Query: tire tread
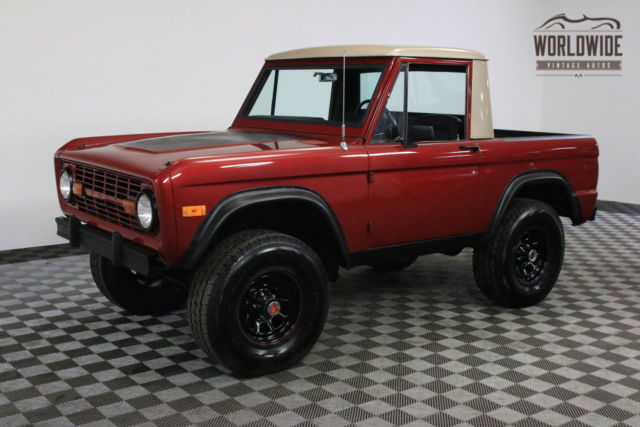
[214,269]
[487,272]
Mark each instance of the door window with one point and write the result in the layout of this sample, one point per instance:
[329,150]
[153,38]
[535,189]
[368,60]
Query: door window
[427,103]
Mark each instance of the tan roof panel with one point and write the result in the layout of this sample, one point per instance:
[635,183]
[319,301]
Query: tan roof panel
[377,50]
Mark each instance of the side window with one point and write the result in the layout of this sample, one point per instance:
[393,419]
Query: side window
[432,108]
[437,92]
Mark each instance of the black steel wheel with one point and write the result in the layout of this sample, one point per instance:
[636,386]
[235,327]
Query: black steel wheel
[133,292]
[520,265]
[530,255]
[258,302]
[270,308]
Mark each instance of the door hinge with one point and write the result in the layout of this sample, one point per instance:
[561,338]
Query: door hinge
[369,227]
[370,177]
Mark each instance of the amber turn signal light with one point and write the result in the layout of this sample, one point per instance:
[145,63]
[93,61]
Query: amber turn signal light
[129,206]
[78,189]
[200,210]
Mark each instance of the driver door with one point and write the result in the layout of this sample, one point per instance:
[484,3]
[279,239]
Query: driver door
[429,186]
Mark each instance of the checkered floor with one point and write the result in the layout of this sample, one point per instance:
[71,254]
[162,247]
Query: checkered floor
[419,347]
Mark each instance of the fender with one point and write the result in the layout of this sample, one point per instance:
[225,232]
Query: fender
[534,177]
[208,229]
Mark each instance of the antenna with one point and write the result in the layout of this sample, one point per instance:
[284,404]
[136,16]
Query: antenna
[343,141]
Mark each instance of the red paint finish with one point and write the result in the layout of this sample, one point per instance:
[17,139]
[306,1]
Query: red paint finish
[381,194]
[425,192]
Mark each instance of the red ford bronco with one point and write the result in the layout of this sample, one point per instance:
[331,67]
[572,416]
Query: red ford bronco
[340,156]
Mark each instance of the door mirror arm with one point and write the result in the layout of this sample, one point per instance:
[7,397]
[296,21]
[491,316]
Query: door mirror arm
[409,144]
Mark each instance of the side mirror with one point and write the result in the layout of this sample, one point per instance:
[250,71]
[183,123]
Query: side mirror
[409,144]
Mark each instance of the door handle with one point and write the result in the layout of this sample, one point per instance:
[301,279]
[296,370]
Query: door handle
[472,148]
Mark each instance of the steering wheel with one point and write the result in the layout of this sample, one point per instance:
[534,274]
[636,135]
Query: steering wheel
[362,104]
[387,122]
[388,125]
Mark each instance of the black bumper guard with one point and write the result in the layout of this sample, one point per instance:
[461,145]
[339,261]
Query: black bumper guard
[121,252]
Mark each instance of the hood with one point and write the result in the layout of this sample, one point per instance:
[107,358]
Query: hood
[207,140]
[145,156]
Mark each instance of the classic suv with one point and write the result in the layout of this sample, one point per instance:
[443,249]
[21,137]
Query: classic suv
[340,156]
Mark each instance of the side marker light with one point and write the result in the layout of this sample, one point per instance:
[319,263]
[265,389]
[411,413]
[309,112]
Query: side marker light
[188,211]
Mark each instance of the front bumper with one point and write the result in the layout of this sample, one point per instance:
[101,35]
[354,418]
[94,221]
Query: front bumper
[112,246]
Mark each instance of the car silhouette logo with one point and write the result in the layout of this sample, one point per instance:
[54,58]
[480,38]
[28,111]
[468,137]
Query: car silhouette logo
[562,22]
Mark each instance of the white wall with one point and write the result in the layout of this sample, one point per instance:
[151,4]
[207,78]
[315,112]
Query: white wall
[606,107]
[88,67]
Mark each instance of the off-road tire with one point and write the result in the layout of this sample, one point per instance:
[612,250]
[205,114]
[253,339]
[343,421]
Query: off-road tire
[521,262]
[227,297]
[135,293]
[392,264]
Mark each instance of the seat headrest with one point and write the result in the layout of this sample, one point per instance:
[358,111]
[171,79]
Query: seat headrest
[421,133]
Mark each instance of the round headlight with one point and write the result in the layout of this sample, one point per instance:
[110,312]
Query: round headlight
[145,208]
[66,182]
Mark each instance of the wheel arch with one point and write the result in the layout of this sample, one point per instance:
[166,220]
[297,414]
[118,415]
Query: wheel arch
[239,210]
[549,186]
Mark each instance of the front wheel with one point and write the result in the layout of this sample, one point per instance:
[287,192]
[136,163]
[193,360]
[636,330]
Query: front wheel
[258,302]
[521,263]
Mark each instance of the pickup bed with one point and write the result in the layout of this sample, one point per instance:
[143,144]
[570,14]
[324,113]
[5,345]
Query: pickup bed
[340,156]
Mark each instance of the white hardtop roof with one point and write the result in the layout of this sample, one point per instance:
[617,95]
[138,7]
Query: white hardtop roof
[351,51]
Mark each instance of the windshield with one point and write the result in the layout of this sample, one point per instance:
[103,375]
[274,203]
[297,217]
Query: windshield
[314,94]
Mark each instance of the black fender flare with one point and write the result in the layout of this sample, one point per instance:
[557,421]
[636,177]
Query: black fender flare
[208,229]
[533,177]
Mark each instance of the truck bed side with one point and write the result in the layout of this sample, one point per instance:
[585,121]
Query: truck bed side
[515,153]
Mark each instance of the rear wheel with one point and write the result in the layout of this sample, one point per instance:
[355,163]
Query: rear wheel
[521,264]
[133,292]
[258,302]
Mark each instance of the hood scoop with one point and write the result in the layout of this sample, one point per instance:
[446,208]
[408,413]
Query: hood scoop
[202,140]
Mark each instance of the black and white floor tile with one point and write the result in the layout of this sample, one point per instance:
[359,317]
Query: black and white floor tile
[420,347]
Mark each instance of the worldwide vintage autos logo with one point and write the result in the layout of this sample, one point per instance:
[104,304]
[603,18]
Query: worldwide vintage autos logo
[578,47]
